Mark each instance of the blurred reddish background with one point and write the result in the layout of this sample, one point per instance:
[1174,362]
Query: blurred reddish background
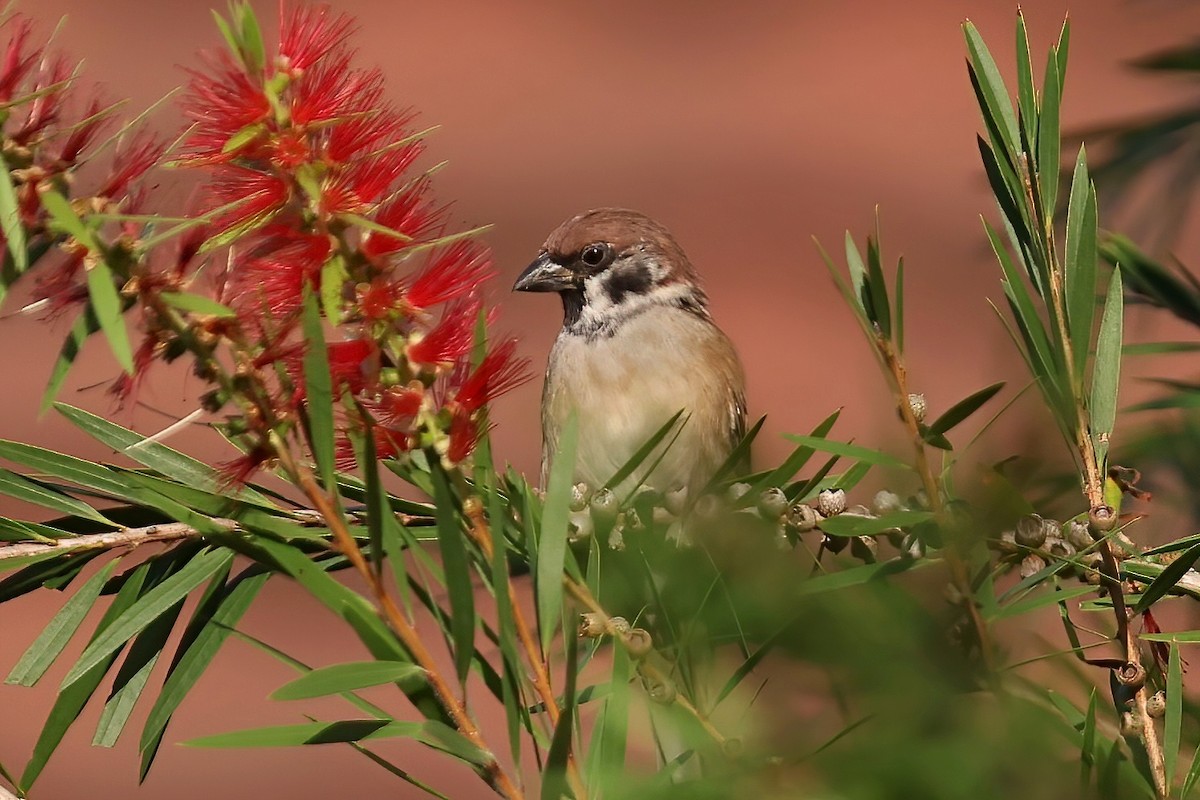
[747,129]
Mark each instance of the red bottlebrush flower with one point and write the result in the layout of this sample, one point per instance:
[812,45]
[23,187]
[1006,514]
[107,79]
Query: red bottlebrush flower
[222,104]
[397,406]
[364,131]
[379,298]
[308,34]
[353,364]
[408,213]
[269,281]
[389,443]
[44,110]
[238,471]
[499,372]
[360,183]
[450,339]
[61,285]
[258,196]
[465,431]
[333,91]
[290,149]
[83,134]
[452,272]
[130,161]
[17,63]
[1160,650]
[125,386]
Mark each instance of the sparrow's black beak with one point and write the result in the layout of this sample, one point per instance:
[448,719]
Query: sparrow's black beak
[545,275]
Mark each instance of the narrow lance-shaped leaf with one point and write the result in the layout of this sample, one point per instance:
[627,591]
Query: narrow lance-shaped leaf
[154,604]
[1166,580]
[1173,720]
[1026,98]
[54,637]
[1080,263]
[347,677]
[964,408]
[1049,145]
[458,574]
[1106,373]
[14,232]
[319,397]
[994,97]
[881,312]
[552,543]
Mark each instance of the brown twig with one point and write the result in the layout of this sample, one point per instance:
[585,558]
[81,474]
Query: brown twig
[959,574]
[491,771]
[126,537]
[481,532]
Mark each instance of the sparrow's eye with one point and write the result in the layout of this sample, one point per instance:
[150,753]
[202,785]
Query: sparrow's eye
[594,255]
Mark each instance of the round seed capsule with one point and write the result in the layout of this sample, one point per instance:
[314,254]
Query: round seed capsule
[772,503]
[831,502]
[1030,531]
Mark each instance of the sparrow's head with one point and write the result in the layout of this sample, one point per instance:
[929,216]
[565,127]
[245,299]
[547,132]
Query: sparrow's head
[610,264]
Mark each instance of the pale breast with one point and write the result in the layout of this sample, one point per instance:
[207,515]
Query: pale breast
[625,387]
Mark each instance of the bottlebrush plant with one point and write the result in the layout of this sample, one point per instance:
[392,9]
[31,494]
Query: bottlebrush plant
[771,637]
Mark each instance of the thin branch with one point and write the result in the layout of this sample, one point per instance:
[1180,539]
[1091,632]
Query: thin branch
[127,537]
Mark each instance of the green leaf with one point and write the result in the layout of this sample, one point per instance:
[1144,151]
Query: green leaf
[196,303]
[881,312]
[1030,604]
[72,699]
[21,488]
[191,663]
[347,677]
[434,734]
[1106,373]
[10,224]
[552,540]
[1166,580]
[165,460]
[250,37]
[154,604]
[1189,781]
[1173,721]
[84,326]
[1026,98]
[554,774]
[333,280]
[69,468]
[993,95]
[109,308]
[964,408]
[855,576]
[59,209]
[319,397]
[847,450]
[793,463]
[1080,264]
[899,333]
[452,545]
[54,637]
[1048,143]
[854,525]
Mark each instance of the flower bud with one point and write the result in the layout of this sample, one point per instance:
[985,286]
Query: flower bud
[1132,674]
[661,692]
[1032,564]
[581,526]
[1102,519]
[864,548]
[772,503]
[580,494]
[638,643]
[1077,534]
[916,404]
[831,502]
[886,502]
[1156,704]
[605,505]
[591,626]
[802,518]
[1030,531]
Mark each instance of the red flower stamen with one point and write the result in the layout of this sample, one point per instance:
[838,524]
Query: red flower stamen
[308,34]
[407,213]
[451,273]
[258,196]
[129,163]
[499,372]
[17,63]
[450,339]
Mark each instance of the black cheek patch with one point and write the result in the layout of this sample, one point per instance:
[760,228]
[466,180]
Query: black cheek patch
[632,279]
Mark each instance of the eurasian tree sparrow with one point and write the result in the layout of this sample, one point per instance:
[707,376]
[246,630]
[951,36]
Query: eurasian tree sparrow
[637,345]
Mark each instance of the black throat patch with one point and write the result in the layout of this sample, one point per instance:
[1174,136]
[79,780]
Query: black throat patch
[625,280]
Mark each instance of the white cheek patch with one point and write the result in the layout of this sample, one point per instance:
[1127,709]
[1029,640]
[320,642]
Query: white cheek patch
[601,314]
